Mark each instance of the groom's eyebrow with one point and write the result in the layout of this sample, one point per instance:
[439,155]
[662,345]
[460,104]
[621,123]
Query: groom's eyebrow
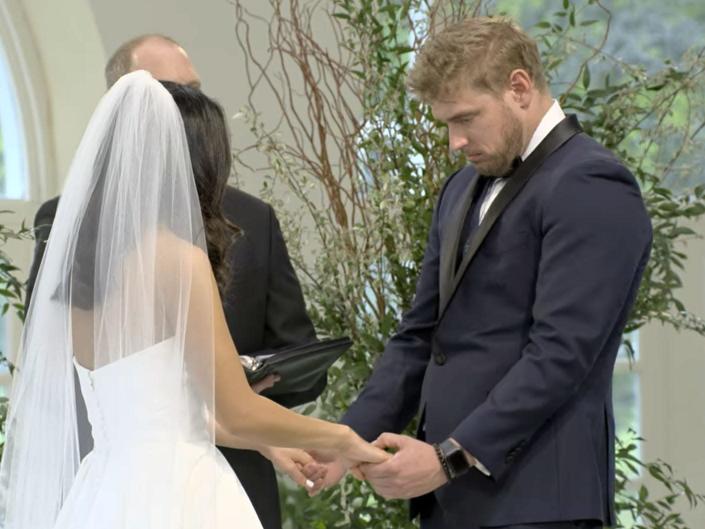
[463,115]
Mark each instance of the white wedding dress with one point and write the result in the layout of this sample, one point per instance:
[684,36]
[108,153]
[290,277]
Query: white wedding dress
[143,445]
[126,290]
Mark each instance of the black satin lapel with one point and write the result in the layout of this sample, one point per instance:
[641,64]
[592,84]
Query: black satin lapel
[505,196]
[561,133]
[451,240]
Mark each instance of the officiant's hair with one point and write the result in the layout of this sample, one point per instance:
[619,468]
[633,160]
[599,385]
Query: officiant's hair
[120,62]
[478,53]
[211,159]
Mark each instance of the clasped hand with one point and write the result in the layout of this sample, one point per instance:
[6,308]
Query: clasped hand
[396,466]
[412,470]
[311,470]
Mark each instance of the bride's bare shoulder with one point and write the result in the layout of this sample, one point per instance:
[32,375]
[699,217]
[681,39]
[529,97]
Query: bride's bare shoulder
[173,251]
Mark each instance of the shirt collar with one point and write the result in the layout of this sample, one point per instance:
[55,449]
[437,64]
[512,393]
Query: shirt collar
[551,118]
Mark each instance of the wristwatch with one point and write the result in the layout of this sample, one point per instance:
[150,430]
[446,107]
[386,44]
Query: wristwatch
[452,458]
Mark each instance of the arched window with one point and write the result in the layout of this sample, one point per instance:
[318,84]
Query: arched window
[13,153]
[26,149]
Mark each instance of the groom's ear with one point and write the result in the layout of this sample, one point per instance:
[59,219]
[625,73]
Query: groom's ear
[521,88]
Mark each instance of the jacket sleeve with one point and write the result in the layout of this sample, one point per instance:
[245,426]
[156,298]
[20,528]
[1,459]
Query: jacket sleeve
[595,242]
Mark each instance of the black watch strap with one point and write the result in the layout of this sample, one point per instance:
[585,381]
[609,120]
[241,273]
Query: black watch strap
[444,462]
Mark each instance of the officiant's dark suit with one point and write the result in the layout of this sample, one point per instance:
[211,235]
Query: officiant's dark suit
[509,349]
[264,309]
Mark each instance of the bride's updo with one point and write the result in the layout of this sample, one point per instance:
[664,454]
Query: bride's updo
[209,147]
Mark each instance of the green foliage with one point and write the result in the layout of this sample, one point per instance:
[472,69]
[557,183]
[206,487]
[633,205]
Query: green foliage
[11,287]
[366,162]
[642,509]
[12,296]
[635,114]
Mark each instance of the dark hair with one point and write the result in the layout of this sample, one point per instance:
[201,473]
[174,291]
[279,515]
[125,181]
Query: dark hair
[120,62]
[209,147]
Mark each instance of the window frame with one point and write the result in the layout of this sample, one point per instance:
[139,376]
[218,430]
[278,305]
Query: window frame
[25,72]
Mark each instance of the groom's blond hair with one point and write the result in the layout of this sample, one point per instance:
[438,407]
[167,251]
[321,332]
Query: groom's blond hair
[479,53]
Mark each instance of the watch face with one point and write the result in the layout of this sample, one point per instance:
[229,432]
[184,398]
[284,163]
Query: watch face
[457,462]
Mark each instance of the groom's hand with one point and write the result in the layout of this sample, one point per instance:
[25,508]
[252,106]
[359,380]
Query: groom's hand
[412,471]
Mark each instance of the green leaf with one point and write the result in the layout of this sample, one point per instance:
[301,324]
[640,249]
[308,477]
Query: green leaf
[586,77]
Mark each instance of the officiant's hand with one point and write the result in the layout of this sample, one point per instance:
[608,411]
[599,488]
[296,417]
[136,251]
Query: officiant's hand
[266,383]
[298,465]
[412,471]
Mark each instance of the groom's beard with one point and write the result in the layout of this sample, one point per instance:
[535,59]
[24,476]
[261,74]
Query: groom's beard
[511,143]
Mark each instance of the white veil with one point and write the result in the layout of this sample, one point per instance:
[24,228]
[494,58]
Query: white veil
[117,278]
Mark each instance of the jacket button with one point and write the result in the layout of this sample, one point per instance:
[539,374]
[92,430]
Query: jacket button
[440,359]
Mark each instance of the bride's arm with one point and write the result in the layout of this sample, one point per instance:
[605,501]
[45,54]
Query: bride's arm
[253,418]
[228,440]
[294,462]
[246,415]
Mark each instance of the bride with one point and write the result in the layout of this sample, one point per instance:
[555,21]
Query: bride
[127,295]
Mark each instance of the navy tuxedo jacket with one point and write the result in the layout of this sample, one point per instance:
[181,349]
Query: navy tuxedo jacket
[513,354]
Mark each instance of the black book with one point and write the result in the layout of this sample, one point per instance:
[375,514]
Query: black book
[299,366]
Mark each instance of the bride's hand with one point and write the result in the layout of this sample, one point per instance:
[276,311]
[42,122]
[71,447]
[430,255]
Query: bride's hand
[350,452]
[298,465]
[355,450]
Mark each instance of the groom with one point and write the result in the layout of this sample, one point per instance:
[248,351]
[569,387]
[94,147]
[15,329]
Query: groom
[533,262]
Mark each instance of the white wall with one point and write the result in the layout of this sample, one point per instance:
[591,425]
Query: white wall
[72,58]
[673,385]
